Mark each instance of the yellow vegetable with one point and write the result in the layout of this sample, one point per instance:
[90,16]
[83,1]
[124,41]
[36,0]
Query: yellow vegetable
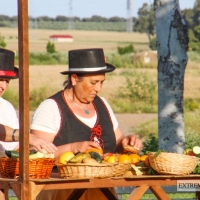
[90,161]
[137,171]
[79,157]
[65,157]
[41,155]
[37,155]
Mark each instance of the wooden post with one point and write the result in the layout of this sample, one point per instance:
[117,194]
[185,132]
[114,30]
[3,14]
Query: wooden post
[23,47]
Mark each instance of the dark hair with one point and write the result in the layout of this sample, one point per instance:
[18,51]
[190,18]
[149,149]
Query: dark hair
[68,83]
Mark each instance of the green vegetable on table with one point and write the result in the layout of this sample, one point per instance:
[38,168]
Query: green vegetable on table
[158,153]
[12,154]
[137,171]
[151,171]
[15,154]
[96,156]
[196,169]
[196,151]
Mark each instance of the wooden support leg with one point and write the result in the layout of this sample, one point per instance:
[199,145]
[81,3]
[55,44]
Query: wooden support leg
[197,195]
[138,192]
[76,194]
[16,188]
[35,190]
[6,194]
[159,192]
[109,195]
[2,195]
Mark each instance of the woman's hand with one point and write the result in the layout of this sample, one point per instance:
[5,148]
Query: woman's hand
[40,144]
[133,141]
[83,146]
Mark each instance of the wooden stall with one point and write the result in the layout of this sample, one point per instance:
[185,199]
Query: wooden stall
[21,185]
[26,188]
[79,186]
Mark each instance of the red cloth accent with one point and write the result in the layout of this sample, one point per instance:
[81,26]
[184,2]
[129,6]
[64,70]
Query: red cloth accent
[7,73]
[97,130]
[96,133]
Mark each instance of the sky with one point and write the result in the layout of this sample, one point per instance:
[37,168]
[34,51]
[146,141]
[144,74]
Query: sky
[80,8]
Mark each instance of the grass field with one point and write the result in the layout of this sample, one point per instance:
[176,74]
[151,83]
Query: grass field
[82,39]
[49,76]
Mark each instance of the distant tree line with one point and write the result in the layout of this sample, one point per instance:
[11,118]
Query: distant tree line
[61,22]
[144,23]
[60,18]
[192,17]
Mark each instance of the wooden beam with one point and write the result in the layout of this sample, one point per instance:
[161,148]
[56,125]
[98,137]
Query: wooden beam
[16,188]
[138,192]
[159,192]
[109,193]
[23,47]
[76,194]
[34,191]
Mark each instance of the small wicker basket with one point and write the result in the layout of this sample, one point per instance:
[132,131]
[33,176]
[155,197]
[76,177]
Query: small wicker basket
[38,168]
[172,163]
[84,170]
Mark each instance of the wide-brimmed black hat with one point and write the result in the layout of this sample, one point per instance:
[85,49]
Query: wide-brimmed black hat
[87,61]
[7,68]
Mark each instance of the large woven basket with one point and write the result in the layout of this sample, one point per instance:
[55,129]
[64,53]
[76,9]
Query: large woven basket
[38,168]
[120,169]
[172,163]
[84,170]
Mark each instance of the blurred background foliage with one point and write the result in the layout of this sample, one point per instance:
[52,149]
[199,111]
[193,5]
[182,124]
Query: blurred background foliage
[138,94]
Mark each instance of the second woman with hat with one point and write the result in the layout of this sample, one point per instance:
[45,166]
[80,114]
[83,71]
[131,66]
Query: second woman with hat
[9,124]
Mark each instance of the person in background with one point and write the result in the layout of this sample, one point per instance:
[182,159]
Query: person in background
[76,118]
[6,134]
[9,124]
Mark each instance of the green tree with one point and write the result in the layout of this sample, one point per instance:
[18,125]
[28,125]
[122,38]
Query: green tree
[188,15]
[152,44]
[51,47]
[197,32]
[194,43]
[146,20]
[2,42]
[126,49]
[196,10]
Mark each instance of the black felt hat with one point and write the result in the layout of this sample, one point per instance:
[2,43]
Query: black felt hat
[87,61]
[7,68]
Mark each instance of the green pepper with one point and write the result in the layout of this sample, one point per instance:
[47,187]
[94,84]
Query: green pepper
[12,154]
[15,154]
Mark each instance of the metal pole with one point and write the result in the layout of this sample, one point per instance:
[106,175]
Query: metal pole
[129,24]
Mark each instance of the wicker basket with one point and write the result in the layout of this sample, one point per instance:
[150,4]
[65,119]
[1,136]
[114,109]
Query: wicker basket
[38,168]
[120,169]
[84,170]
[172,163]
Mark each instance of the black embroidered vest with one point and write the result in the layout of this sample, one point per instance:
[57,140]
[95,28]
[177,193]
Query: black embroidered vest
[73,130]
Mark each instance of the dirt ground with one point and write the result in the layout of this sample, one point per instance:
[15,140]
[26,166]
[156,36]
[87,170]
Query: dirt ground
[129,121]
